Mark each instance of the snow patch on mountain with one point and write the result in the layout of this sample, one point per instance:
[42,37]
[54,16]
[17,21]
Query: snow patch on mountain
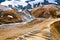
[13,3]
[21,4]
[52,1]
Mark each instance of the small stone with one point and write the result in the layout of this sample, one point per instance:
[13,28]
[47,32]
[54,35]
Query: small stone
[26,35]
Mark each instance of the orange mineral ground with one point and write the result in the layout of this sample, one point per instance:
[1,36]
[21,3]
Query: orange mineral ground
[16,32]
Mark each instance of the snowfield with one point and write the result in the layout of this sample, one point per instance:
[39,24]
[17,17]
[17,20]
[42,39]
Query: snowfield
[21,4]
